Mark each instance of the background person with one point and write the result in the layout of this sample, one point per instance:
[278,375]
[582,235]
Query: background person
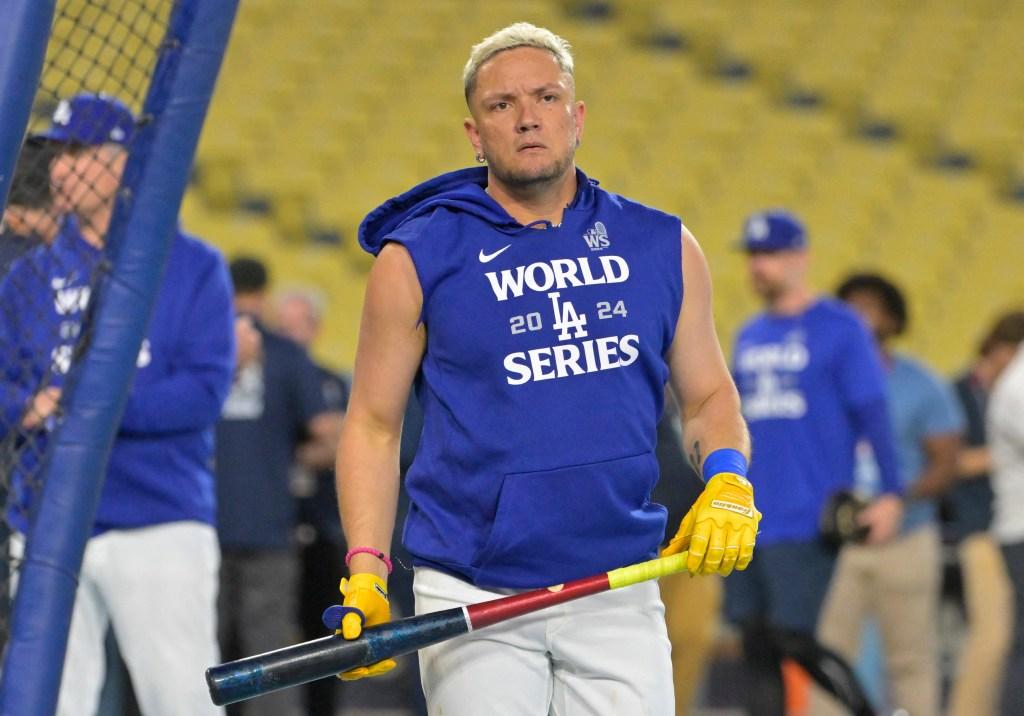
[154,548]
[274,412]
[905,602]
[1006,439]
[988,595]
[812,386]
[298,315]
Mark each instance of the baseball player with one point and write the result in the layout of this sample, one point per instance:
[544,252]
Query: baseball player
[540,317]
[150,568]
[812,386]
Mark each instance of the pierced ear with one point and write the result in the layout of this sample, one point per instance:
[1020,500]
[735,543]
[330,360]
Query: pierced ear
[469,126]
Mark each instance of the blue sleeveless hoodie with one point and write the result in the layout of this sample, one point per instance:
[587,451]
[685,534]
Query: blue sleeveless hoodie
[542,382]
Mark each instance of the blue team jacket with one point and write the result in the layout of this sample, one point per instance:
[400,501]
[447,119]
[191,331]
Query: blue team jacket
[542,382]
[811,386]
[160,464]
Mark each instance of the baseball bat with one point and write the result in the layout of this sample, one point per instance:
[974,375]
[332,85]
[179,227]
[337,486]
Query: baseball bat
[301,663]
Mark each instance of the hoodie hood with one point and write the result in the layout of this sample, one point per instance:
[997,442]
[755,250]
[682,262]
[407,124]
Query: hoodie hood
[463,190]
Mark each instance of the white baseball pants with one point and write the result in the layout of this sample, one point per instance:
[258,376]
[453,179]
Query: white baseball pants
[157,587]
[604,654]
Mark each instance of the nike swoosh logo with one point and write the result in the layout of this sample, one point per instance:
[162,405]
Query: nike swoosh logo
[485,258]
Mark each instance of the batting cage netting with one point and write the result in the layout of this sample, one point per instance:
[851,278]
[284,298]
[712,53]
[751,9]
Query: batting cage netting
[91,206]
[99,60]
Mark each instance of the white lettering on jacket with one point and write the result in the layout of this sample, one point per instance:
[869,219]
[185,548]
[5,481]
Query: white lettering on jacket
[560,361]
[559,273]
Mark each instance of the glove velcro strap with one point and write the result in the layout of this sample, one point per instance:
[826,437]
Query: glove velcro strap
[333,616]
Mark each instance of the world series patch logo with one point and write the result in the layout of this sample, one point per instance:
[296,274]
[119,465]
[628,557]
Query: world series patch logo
[597,237]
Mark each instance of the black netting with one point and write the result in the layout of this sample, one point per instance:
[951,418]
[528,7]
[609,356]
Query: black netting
[99,61]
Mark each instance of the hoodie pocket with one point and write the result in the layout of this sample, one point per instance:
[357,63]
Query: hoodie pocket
[555,525]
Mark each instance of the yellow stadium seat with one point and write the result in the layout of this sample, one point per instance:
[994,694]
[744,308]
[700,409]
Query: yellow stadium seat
[328,108]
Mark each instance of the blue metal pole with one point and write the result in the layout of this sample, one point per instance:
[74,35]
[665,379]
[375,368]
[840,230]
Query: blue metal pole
[138,240]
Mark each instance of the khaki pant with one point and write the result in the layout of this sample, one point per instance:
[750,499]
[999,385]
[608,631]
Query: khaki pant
[988,596]
[898,583]
[692,606]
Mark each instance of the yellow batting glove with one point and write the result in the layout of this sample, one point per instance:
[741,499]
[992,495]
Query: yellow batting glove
[720,529]
[366,604]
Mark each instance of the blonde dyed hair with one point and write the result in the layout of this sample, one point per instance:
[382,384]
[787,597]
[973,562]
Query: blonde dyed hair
[520,34]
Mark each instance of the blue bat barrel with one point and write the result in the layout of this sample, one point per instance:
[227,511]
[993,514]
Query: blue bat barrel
[299,664]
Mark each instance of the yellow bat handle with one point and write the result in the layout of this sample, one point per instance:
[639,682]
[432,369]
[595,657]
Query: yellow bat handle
[644,571]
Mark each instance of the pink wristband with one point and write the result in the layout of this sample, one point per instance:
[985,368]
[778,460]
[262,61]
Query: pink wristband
[369,550]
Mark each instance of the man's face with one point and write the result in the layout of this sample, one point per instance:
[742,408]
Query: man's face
[773,273]
[872,309]
[526,121]
[298,321]
[251,303]
[85,179]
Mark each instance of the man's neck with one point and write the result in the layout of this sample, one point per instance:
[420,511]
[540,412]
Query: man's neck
[792,302]
[537,202]
[885,349]
[47,229]
[984,373]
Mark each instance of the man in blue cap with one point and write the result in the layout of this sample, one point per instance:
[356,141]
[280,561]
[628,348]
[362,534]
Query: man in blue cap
[91,133]
[812,387]
[153,557]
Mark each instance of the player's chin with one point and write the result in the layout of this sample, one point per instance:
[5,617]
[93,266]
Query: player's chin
[764,288]
[532,171]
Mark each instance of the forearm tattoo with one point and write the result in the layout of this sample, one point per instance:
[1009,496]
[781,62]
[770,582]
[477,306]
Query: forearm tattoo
[695,457]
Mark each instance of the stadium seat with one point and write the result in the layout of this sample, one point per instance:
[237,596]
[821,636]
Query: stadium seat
[325,109]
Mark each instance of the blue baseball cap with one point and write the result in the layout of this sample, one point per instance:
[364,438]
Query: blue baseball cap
[90,120]
[773,230]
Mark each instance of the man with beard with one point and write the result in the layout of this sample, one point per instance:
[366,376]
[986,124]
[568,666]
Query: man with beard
[540,317]
[811,384]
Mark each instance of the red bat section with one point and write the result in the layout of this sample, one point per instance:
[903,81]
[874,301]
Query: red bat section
[498,610]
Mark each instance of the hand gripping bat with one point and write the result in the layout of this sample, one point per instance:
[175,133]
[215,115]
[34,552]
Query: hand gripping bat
[299,664]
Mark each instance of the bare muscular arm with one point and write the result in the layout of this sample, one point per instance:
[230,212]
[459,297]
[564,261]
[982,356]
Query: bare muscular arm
[708,400]
[391,344]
